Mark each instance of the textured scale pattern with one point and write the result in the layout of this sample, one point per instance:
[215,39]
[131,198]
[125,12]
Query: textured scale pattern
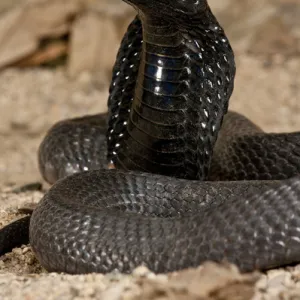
[122,86]
[131,219]
[251,154]
[172,106]
[167,108]
[73,146]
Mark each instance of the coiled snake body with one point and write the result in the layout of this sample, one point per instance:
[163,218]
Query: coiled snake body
[218,193]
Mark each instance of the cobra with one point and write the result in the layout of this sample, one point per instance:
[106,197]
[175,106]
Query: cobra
[168,178]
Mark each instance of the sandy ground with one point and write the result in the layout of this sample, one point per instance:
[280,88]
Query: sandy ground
[267,90]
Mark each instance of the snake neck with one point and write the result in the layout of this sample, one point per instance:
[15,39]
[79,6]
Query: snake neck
[183,84]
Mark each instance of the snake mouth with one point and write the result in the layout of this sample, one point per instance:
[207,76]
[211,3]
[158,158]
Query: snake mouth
[170,8]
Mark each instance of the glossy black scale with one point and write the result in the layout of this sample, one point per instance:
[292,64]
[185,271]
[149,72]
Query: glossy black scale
[165,116]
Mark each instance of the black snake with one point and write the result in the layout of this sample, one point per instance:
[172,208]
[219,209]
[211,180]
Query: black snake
[195,191]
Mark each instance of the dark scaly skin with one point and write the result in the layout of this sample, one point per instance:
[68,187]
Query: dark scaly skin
[165,117]
[104,220]
[101,221]
[73,146]
[14,235]
[251,154]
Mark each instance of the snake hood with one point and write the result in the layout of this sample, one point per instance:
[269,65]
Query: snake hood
[175,70]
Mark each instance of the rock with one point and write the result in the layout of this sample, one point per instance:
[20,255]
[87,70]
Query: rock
[22,27]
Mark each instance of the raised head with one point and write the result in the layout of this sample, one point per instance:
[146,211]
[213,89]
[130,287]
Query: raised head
[169,8]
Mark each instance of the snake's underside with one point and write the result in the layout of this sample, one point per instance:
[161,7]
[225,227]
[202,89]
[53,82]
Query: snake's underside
[192,182]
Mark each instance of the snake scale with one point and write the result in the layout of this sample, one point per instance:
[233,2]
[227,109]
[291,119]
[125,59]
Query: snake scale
[168,178]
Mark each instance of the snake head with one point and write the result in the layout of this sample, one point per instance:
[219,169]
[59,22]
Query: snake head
[169,8]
